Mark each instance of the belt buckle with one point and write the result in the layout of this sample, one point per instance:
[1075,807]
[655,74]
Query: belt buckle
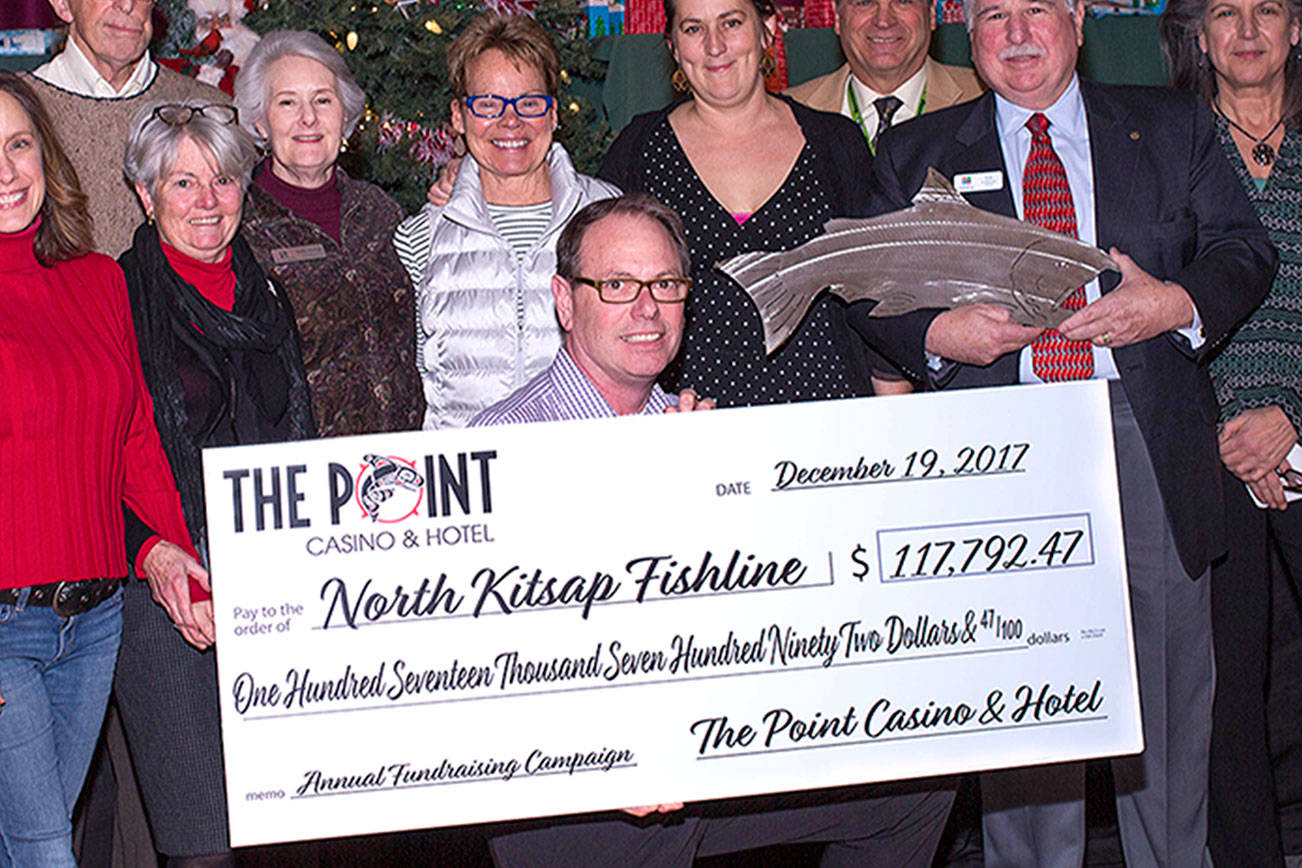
[58,598]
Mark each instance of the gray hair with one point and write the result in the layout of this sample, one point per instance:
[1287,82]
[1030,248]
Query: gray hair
[251,83]
[152,145]
[969,11]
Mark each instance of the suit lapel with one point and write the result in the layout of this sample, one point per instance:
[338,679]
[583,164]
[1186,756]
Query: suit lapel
[831,94]
[941,89]
[1114,150]
[978,151]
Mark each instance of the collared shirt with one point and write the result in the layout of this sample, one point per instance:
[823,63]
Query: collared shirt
[1070,134]
[562,391]
[70,70]
[909,93]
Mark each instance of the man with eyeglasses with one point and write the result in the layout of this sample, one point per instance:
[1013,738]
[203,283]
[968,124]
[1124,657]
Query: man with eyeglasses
[619,295]
[93,88]
[619,298]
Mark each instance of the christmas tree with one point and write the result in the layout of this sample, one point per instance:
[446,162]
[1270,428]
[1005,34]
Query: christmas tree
[397,51]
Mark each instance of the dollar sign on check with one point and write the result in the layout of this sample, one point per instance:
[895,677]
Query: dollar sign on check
[859,558]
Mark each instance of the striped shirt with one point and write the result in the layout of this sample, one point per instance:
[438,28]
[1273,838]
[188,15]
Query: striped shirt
[413,240]
[520,225]
[561,392]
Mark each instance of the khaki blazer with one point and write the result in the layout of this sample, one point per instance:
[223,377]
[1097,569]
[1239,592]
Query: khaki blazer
[946,86]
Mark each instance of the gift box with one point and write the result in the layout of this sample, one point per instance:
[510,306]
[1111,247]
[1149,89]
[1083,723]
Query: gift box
[949,11]
[644,16]
[820,13]
[1125,7]
[604,18]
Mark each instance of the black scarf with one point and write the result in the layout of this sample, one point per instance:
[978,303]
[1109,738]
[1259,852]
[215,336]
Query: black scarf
[252,351]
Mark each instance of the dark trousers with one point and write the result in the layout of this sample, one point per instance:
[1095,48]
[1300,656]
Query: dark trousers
[1035,817]
[1243,827]
[895,825]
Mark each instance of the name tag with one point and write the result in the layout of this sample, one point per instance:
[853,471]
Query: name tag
[304,253]
[979,182]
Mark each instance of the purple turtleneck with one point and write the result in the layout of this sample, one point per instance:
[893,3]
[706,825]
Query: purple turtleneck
[322,206]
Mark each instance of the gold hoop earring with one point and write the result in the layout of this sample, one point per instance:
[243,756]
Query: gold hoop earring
[680,82]
[767,65]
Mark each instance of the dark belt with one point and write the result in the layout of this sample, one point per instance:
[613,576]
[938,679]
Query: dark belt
[66,598]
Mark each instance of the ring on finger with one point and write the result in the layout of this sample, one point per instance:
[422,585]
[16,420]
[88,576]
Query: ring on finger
[1105,338]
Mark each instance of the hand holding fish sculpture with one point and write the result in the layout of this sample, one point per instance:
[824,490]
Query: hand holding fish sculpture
[1141,307]
[939,253]
[977,334]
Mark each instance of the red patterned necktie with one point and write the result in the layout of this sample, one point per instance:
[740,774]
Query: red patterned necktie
[1047,202]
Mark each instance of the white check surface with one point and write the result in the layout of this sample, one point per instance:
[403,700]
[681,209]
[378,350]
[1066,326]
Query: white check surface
[655,609]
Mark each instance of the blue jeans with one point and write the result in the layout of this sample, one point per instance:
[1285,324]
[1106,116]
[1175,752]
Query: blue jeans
[55,676]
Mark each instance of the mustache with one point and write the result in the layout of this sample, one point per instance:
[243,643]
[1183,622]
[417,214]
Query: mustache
[1015,52]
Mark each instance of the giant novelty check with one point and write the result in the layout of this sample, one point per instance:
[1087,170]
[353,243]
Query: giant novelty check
[428,629]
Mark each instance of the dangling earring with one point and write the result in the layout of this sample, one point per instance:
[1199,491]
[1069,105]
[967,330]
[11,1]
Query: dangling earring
[767,65]
[149,218]
[680,82]
[1202,60]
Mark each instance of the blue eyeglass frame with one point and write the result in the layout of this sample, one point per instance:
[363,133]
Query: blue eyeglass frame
[509,102]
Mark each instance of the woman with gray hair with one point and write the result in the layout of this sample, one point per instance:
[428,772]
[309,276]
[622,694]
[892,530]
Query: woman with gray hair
[326,237]
[221,360]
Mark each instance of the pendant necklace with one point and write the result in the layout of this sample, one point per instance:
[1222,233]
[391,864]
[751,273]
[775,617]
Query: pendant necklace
[1262,153]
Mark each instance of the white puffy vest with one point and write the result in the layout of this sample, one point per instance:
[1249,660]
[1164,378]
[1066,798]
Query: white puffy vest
[485,322]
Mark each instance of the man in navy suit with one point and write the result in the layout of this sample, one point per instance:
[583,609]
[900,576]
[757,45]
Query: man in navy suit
[1149,183]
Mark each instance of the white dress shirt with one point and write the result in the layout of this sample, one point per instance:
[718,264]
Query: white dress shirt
[70,70]
[910,94]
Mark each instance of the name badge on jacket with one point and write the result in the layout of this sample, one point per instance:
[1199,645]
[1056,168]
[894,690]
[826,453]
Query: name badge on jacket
[979,182]
[303,253]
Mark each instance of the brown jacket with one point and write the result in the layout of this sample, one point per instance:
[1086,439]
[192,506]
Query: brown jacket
[946,86]
[353,304]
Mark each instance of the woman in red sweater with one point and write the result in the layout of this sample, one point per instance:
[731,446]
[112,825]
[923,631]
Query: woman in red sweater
[77,445]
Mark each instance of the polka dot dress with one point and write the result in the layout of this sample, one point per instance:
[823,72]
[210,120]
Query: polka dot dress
[723,343]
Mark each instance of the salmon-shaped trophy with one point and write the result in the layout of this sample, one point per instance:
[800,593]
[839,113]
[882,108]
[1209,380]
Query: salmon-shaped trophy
[939,253]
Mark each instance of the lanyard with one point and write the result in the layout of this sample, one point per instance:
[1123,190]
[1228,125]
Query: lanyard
[857,116]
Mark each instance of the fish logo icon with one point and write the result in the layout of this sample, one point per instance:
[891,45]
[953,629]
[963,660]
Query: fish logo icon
[389,488]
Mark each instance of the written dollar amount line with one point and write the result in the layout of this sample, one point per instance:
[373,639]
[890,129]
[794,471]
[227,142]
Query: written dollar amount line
[1050,542]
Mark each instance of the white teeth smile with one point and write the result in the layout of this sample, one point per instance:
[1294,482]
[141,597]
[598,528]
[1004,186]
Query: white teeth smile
[205,221]
[510,144]
[9,199]
[642,339]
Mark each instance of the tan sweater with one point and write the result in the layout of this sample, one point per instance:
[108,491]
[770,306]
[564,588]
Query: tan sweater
[94,132]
